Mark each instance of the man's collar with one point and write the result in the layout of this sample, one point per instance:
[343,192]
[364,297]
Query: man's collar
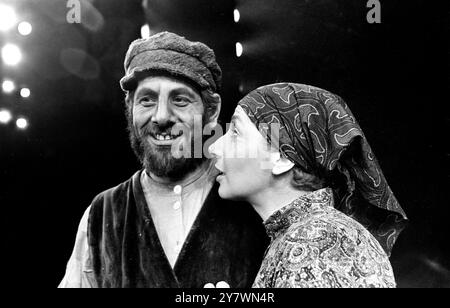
[206,172]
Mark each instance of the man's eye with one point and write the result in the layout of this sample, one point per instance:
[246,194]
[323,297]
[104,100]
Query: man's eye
[147,101]
[181,101]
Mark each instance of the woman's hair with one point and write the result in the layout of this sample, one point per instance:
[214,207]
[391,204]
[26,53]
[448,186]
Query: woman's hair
[306,181]
[302,180]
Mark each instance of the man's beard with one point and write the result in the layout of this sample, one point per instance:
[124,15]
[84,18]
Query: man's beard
[161,161]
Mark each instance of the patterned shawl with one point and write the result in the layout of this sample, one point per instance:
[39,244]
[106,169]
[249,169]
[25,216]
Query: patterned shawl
[319,133]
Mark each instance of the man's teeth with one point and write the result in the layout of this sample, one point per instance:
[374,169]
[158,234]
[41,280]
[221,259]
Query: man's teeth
[164,138]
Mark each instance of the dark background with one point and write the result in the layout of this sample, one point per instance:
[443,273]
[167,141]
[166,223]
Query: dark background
[394,76]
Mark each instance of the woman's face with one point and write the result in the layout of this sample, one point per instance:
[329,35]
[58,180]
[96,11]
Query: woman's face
[243,158]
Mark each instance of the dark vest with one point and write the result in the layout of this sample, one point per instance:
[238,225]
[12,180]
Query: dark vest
[226,243]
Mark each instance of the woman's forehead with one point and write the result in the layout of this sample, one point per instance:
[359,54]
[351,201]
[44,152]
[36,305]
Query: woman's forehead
[251,130]
[241,115]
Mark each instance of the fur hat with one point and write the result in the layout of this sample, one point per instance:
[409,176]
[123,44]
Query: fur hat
[174,55]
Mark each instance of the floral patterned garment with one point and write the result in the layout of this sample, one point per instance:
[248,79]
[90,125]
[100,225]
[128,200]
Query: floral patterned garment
[313,245]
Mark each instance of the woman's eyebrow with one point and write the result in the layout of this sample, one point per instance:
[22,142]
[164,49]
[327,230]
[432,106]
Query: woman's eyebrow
[235,118]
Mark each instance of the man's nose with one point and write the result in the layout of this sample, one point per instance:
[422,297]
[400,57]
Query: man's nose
[163,113]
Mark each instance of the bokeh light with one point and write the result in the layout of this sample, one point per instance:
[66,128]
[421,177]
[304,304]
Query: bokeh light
[5,116]
[8,86]
[8,17]
[25,28]
[25,92]
[11,54]
[145,31]
[237,15]
[22,123]
[239,49]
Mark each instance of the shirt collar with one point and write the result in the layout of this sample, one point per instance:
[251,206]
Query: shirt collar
[196,181]
[282,219]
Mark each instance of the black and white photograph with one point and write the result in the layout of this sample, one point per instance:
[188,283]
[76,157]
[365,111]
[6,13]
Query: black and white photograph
[240,145]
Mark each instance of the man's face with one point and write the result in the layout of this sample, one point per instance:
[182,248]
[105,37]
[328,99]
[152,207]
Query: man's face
[160,104]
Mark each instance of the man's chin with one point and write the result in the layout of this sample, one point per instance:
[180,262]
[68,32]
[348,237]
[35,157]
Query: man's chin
[165,165]
[165,161]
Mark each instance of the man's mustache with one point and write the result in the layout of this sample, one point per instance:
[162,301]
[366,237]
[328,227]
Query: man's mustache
[169,129]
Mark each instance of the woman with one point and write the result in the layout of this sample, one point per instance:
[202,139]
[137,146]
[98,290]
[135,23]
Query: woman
[317,186]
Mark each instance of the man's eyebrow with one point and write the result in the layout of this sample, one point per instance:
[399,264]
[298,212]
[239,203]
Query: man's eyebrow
[185,91]
[144,91]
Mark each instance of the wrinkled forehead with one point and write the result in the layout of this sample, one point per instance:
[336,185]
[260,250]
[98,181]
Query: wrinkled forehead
[143,76]
[163,82]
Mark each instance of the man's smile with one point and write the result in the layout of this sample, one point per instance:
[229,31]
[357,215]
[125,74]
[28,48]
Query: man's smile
[163,139]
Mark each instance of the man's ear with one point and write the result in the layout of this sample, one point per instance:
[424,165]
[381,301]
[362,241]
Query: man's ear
[213,118]
[282,165]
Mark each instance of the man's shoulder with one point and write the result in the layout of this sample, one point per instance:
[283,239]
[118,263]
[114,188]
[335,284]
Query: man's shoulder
[108,209]
[116,193]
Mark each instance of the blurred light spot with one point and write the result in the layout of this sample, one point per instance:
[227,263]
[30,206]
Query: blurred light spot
[91,19]
[145,31]
[80,64]
[25,28]
[237,15]
[22,123]
[25,92]
[8,17]
[436,266]
[8,86]
[239,49]
[11,54]
[5,116]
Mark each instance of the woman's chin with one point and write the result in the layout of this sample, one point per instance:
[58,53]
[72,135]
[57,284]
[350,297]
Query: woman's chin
[222,192]
[225,193]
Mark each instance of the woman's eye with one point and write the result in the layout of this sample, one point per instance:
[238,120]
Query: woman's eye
[233,130]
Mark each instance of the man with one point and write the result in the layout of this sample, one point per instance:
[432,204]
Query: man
[166,226]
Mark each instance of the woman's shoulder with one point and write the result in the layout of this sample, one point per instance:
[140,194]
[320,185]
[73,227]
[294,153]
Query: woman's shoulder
[329,224]
[331,249]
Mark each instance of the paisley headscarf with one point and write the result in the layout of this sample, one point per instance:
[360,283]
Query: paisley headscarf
[320,135]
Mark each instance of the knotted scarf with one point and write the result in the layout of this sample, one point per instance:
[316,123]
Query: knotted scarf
[320,135]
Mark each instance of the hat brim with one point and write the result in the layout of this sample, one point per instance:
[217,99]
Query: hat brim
[169,62]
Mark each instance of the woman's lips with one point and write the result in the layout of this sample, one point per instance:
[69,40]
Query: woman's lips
[220,176]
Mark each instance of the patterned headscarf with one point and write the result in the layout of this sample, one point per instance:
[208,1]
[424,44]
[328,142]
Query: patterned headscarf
[320,135]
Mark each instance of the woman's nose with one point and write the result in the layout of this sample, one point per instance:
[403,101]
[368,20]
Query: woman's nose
[215,149]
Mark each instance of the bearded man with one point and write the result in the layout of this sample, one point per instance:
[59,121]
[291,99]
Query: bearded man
[166,226]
